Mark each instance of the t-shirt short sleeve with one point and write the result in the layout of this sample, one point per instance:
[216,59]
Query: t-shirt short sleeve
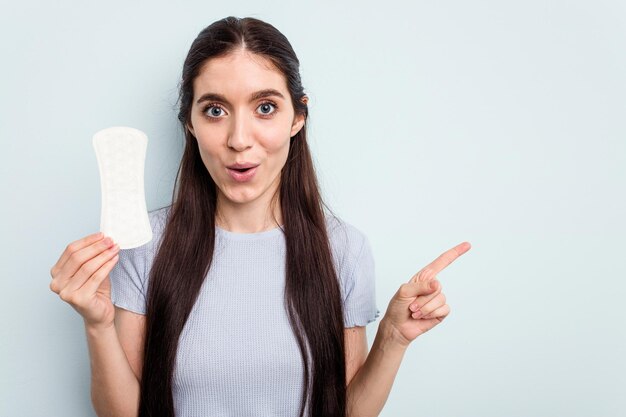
[128,283]
[129,276]
[357,273]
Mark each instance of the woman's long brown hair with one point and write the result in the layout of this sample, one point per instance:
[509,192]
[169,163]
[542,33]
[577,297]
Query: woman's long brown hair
[183,259]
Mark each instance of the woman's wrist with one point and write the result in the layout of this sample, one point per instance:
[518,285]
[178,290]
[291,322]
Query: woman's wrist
[391,337]
[98,329]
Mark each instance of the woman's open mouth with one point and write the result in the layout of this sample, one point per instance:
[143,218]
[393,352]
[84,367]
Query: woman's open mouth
[242,174]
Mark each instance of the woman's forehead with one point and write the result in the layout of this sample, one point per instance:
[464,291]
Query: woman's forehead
[238,75]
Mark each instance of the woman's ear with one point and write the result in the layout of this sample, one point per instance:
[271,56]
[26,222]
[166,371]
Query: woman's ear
[298,122]
[190,129]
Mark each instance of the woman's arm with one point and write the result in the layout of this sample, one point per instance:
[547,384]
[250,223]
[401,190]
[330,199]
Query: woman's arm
[370,387]
[417,307]
[115,389]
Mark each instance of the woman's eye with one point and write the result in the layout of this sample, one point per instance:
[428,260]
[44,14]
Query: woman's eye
[266,106]
[211,111]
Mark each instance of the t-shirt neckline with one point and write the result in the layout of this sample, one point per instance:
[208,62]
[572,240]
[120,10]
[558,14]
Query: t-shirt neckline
[250,236]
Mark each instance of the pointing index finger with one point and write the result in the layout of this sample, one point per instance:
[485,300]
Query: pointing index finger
[448,257]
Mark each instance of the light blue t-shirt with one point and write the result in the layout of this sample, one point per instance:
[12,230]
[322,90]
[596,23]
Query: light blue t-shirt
[237,353]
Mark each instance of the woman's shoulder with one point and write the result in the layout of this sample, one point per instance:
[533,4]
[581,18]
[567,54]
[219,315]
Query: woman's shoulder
[158,217]
[345,238]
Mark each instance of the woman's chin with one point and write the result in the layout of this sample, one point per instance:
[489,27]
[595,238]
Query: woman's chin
[241,196]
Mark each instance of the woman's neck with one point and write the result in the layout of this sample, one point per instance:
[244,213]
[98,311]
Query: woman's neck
[252,217]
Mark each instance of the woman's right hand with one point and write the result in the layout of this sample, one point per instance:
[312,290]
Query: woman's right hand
[81,278]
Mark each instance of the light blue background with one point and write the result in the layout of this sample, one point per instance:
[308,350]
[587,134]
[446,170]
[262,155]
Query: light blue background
[432,123]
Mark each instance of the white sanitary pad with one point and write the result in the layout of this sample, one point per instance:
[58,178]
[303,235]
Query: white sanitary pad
[121,154]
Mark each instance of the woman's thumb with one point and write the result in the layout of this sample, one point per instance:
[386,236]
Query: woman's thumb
[413,289]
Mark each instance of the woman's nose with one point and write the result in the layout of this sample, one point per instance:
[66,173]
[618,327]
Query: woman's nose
[240,136]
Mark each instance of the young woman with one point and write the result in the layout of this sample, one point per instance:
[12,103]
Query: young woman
[251,299]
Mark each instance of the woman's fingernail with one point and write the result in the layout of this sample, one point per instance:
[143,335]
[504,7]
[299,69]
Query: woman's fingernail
[413,307]
[417,314]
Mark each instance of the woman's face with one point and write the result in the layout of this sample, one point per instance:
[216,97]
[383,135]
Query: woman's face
[234,124]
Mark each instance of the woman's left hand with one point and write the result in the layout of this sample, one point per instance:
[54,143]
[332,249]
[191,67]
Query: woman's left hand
[419,305]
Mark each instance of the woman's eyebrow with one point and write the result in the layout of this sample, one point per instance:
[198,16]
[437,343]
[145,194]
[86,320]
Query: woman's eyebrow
[254,96]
